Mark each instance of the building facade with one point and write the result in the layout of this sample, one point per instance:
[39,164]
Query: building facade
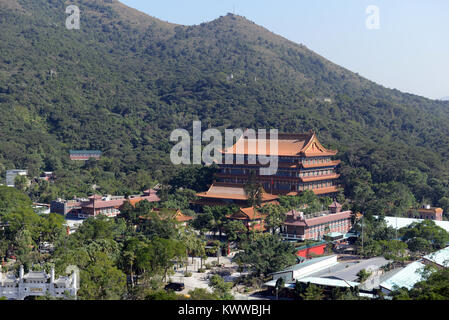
[315,226]
[430,213]
[252,218]
[303,164]
[84,155]
[12,174]
[96,204]
[37,284]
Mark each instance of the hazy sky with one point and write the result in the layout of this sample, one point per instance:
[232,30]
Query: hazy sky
[409,51]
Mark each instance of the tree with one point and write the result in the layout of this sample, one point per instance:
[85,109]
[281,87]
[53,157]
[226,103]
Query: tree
[101,280]
[253,190]
[433,286]
[129,256]
[159,255]
[266,254]
[394,249]
[313,292]
[221,288]
[275,216]
[201,294]
[419,245]
[363,275]
[427,230]
[21,182]
[234,229]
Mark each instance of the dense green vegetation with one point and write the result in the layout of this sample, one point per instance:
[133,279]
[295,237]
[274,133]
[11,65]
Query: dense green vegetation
[123,81]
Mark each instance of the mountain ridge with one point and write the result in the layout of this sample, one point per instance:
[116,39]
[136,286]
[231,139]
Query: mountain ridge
[122,87]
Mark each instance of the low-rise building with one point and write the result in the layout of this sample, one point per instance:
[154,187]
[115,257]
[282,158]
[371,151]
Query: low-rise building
[84,155]
[252,218]
[96,204]
[315,226]
[405,277]
[12,174]
[440,258]
[166,213]
[432,213]
[37,283]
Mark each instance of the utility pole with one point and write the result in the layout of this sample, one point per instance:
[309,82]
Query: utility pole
[396,229]
[362,231]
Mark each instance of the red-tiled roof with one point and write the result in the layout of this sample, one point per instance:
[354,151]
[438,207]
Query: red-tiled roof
[250,213]
[220,190]
[318,220]
[178,215]
[320,177]
[150,198]
[103,204]
[305,144]
[326,190]
[322,164]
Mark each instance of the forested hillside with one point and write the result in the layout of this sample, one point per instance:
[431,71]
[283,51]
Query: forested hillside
[125,80]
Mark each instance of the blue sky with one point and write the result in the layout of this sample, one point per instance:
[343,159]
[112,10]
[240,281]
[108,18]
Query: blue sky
[409,51]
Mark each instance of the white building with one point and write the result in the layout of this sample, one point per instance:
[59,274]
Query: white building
[306,268]
[406,277]
[37,283]
[12,174]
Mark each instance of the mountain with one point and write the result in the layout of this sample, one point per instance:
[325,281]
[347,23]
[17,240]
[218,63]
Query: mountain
[125,80]
[445,99]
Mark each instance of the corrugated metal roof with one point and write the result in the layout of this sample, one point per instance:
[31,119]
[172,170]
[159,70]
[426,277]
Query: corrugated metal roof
[398,222]
[329,282]
[440,257]
[304,264]
[407,277]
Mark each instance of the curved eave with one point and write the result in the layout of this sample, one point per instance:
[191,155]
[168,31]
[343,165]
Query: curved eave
[332,189]
[320,178]
[321,165]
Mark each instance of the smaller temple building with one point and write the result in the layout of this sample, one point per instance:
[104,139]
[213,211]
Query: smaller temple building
[252,218]
[96,204]
[315,226]
[166,213]
[37,283]
[228,194]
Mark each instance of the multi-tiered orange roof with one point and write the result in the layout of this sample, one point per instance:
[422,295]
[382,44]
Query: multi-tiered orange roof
[231,191]
[288,144]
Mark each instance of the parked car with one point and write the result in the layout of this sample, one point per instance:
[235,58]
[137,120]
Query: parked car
[176,286]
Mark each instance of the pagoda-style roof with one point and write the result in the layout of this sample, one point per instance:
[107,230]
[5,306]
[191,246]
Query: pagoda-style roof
[289,144]
[165,213]
[220,190]
[333,163]
[250,213]
[327,190]
[320,178]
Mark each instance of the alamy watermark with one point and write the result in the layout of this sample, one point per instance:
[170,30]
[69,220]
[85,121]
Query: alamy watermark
[256,148]
[73,21]
[372,22]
